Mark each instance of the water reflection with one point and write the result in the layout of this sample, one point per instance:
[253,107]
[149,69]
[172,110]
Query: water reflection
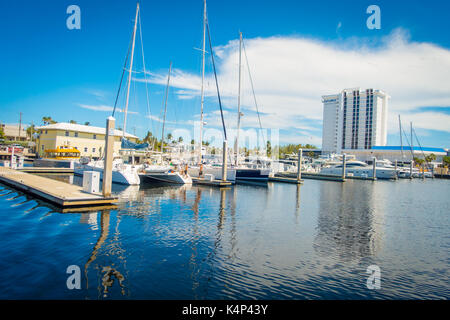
[347,225]
[107,271]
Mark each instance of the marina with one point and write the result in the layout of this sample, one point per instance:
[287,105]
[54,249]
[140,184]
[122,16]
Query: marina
[272,157]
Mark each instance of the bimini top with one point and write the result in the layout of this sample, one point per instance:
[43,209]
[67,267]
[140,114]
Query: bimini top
[408,148]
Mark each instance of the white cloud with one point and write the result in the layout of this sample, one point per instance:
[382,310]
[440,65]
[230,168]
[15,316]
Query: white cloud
[291,74]
[103,108]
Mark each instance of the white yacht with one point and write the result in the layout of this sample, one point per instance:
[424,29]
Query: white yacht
[360,169]
[122,173]
[212,169]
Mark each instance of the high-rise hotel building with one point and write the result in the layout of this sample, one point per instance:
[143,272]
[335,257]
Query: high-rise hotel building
[354,119]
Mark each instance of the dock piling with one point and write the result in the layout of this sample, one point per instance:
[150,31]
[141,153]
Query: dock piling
[374,170]
[224,161]
[109,149]
[343,166]
[299,165]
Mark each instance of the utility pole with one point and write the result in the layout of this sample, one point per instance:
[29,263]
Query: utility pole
[20,124]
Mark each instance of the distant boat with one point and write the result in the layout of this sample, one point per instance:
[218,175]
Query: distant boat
[360,169]
[61,157]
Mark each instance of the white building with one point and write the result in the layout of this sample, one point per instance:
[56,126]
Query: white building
[354,119]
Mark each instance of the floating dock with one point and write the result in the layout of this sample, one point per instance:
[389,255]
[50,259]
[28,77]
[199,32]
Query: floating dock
[286,180]
[59,193]
[214,183]
[307,175]
[45,170]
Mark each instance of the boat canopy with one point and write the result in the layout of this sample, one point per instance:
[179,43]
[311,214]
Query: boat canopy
[127,144]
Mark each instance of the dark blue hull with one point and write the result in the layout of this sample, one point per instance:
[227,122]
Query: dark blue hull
[251,174]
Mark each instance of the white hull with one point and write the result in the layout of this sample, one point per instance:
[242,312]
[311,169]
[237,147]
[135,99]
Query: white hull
[367,172]
[128,176]
[215,171]
[169,177]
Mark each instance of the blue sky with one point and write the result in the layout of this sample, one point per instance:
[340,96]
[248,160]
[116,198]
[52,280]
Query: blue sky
[48,70]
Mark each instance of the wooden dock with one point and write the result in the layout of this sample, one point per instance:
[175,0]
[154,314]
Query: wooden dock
[213,183]
[45,170]
[59,193]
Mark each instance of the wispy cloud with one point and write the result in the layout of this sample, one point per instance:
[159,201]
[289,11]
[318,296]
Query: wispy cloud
[103,108]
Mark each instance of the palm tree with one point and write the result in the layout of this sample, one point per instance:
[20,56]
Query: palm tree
[169,136]
[180,139]
[87,123]
[72,121]
[48,120]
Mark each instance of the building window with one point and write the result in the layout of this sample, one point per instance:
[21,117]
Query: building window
[42,147]
[85,149]
[67,133]
[76,134]
[95,136]
[46,131]
[93,149]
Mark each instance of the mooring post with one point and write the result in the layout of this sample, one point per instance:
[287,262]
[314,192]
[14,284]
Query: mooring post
[12,157]
[343,166]
[224,161]
[374,170]
[109,151]
[299,165]
[411,169]
[396,172]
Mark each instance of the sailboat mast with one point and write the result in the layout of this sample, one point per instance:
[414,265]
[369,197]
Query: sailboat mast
[236,145]
[129,72]
[412,145]
[401,139]
[203,80]
[165,107]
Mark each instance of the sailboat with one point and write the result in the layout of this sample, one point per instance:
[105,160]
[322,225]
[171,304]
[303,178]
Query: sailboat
[162,172]
[243,172]
[122,173]
[204,168]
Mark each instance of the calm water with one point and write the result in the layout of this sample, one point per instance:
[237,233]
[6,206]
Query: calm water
[277,241]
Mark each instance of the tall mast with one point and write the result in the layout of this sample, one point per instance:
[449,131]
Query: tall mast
[165,107]
[401,140]
[203,80]
[412,148]
[129,72]
[236,145]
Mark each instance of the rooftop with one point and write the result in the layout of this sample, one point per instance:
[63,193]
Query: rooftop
[407,148]
[82,128]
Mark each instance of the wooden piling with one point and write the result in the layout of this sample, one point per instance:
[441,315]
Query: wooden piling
[109,150]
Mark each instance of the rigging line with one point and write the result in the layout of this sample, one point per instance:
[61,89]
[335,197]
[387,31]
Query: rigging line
[423,153]
[253,91]
[215,75]
[407,140]
[123,73]
[145,74]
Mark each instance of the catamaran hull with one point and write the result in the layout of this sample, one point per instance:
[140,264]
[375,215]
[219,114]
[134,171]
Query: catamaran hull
[252,174]
[127,178]
[215,171]
[173,178]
